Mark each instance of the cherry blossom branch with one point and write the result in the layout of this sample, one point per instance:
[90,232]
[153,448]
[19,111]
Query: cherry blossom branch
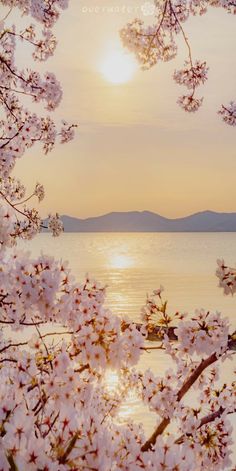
[81,369]
[161,347]
[158,28]
[25,200]
[13,205]
[206,420]
[7,14]
[72,443]
[153,43]
[10,360]
[26,324]
[158,333]
[183,390]
[22,213]
[11,138]
[8,108]
[51,425]
[183,34]
[11,70]
[12,463]
[19,35]
[12,345]
[14,90]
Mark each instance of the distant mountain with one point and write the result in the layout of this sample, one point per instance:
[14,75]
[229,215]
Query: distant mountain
[146,221]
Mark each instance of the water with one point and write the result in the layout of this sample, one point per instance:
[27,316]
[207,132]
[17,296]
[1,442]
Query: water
[132,265]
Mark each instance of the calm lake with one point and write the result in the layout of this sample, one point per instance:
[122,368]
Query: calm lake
[133,264]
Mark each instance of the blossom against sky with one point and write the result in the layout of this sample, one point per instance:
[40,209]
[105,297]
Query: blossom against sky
[135,149]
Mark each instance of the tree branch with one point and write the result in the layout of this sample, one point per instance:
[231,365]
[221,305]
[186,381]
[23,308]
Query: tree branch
[183,390]
[205,420]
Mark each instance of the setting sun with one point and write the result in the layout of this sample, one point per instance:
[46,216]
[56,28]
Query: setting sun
[118,67]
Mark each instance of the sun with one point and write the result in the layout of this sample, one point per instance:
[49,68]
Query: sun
[117,66]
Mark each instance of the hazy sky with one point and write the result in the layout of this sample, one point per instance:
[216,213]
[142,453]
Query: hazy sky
[135,149]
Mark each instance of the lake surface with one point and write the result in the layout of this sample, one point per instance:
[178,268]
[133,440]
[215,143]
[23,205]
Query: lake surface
[133,264]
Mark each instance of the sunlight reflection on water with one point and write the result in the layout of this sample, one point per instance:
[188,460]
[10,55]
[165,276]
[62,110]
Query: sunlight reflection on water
[120,261]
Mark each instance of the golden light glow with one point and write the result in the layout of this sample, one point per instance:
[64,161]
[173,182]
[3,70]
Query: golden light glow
[131,403]
[120,261]
[111,381]
[117,66]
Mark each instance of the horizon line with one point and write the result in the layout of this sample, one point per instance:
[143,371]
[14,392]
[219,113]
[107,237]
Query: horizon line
[150,212]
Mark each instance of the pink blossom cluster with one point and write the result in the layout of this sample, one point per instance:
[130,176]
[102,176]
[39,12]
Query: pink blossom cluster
[12,188]
[67,132]
[6,227]
[191,76]
[55,225]
[39,192]
[20,128]
[56,411]
[148,46]
[158,42]
[228,113]
[204,334]
[43,290]
[189,102]
[59,415]
[159,393]
[227,277]
[45,11]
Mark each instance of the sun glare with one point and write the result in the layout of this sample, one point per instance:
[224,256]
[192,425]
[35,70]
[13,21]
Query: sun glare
[121,261]
[117,66]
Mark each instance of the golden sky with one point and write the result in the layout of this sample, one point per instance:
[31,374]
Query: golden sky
[135,149]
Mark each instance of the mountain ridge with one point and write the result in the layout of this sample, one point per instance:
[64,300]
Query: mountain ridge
[147,221]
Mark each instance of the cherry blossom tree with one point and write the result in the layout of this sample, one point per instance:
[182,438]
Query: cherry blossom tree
[157,42]
[58,339]
[21,128]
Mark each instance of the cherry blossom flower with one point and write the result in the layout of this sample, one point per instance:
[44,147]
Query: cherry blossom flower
[190,103]
[192,75]
[55,225]
[39,191]
[227,277]
[228,113]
